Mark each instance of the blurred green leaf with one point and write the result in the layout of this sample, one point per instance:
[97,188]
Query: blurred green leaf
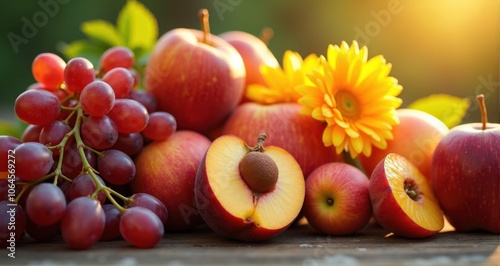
[84,48]
[138,26]
[102,31]
[447,108]
[9,129]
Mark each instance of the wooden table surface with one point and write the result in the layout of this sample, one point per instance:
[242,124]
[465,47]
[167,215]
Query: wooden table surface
[299,245]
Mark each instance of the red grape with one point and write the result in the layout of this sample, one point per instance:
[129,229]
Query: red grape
[62,94]
[112,226]
[97,98]
[130,144]
[12,220]
[161,126]
[99,132]
[83,186]
[129,116]
[38,86]
[7,146]
[141,228]
[31,133]
[136,76]
[48,69]
[121,80]
[116,167]
[37,107]
[41,233]
[151,203]
[72,164]
[118,56]
[53,133]
[83,223]
[45,204]
[33,161]
[78,73]
[145,98]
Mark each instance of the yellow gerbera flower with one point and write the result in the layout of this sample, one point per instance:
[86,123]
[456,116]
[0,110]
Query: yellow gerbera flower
[281,82]
[355,97]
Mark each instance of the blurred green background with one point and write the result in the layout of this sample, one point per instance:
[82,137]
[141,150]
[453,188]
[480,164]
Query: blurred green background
[435,46]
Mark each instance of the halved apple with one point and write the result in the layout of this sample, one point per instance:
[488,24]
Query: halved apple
[402,200]
[231,207]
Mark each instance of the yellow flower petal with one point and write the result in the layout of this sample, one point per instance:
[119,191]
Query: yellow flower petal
[338,136]
[283,84]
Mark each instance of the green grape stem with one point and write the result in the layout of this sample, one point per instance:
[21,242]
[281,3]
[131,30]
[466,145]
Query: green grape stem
[88,168]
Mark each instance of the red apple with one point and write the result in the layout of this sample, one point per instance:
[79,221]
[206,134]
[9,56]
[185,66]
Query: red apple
[254,52]
[248,193]
[197,77]
[300,135]
[415,138]
[167,170]
[402,200]
[337,200]
[466,176]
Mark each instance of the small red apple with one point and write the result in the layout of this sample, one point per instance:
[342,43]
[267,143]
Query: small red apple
[248,193]
[402,200]
[337,200]
[167,170]
[197,77]
[298,134]
[466,175]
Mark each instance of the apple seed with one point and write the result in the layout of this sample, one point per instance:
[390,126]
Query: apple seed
[259,171]
[412,190]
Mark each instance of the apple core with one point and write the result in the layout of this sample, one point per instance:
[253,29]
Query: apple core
[412,190]
[329,202]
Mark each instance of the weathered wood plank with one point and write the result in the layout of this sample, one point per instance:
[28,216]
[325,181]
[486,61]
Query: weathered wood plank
[299,245]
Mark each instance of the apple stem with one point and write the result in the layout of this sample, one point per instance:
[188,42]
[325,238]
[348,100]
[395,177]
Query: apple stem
[205,26]
[260,142]
[482,107]
[266,35]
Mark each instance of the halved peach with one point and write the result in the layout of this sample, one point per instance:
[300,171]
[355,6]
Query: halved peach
[231,207]
[402,200]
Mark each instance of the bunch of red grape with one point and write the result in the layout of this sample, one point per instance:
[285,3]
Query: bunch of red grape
[85,125]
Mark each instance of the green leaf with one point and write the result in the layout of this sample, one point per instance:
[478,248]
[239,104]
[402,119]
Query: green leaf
[9,129]
[447,108]
[102,31]
[137,25]
[84,48]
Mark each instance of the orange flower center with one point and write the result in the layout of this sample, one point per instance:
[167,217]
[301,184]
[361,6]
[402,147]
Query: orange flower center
[348,104]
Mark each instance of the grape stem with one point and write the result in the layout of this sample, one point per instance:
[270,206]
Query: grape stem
[86,165]
[56,173]
[30,184]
